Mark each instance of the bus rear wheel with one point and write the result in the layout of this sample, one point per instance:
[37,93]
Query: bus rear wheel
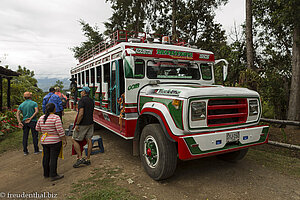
[158,154]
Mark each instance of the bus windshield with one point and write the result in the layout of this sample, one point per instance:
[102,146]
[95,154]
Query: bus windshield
[171,70]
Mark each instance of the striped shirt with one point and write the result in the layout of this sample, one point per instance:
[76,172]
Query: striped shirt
[53,128]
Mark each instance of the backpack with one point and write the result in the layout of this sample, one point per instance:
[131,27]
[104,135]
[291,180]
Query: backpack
[64,101]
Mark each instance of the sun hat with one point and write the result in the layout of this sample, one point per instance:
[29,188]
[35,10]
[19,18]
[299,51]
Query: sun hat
[86,89]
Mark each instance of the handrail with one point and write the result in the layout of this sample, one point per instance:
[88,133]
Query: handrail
[283,122]
[118,37]
[115,38]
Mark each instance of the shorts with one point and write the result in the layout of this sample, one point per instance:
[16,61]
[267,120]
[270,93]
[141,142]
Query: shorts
[85,131]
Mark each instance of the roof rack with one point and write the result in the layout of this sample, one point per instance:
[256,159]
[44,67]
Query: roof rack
[116,38]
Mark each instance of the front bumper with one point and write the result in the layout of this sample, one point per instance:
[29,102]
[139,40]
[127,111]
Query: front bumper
[213,143]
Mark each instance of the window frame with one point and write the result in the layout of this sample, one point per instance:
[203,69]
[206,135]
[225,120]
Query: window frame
[195,64]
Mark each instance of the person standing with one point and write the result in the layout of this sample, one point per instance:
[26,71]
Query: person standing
[84,126]
[51,97]
[29,110]
[73,89]
[62,97]
[53,136]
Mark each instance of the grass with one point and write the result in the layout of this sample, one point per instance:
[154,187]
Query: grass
[102,185]
[13,141]
[278,159]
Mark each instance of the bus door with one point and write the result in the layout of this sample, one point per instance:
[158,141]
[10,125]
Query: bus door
[114,88]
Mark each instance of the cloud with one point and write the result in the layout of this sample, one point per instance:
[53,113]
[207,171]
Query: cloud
[38,34]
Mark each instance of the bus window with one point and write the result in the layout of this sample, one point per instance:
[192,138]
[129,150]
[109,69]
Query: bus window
[206,71]
[106,73]
[79,79]
[87,76]
[139,70]
[82,78]
[121,77]
[98,74]
[171,70]
[93,76]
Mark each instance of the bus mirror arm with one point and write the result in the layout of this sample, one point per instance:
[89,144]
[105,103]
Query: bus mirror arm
[225,67]
[128,51]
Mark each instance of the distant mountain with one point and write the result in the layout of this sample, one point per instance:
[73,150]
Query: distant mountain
[46,83]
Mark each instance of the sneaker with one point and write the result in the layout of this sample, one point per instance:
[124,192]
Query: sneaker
[57,177]
[38,152]
[79,162]
[87,162]
[26,153]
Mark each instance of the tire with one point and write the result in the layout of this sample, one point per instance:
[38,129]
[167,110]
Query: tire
[158,154]
[233,156]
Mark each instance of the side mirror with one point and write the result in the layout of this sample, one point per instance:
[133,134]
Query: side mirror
[225,67]
[128,62]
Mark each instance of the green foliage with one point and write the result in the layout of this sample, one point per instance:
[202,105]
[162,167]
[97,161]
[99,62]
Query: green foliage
[19,85]
[268,109]
[59,84]
[93,37]
[274,23]
[8,122]
[128,15]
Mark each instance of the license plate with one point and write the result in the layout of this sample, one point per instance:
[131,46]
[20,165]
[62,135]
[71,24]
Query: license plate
[233,137]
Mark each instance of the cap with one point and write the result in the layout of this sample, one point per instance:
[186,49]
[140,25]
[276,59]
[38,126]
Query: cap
[27,94]
[86,89]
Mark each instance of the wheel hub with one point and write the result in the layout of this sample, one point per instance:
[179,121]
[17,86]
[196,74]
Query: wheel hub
[148,152]
[151,152]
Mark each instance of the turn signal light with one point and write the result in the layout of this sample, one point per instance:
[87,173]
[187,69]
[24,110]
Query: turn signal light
[176,103]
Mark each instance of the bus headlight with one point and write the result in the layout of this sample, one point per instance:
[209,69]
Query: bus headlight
[253,107]
[198,110]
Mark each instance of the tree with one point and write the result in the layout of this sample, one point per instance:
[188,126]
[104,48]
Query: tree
[59,84]
[278,31]
[93,37]
[294,103]
[127,15]
[174,34]
[249,36]
[20,84]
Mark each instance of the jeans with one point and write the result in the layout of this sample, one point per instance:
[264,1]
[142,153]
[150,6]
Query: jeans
[26,127]
[51,152]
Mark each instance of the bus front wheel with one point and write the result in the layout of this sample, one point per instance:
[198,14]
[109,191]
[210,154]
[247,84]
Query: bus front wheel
[158,154]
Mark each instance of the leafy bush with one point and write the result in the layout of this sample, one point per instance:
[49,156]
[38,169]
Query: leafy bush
[8,122]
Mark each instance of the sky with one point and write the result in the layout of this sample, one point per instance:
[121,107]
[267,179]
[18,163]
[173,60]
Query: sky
[38,34]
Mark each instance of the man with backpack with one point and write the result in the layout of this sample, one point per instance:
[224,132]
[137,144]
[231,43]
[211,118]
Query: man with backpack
[51,97]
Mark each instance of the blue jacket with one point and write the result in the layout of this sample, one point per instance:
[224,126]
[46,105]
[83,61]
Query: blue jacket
[52,99]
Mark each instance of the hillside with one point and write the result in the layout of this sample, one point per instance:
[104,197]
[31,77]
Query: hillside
[45,83]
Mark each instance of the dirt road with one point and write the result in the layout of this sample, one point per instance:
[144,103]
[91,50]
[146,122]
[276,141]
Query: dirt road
[207,178]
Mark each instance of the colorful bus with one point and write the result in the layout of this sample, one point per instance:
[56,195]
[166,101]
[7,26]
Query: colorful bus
[163,97]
